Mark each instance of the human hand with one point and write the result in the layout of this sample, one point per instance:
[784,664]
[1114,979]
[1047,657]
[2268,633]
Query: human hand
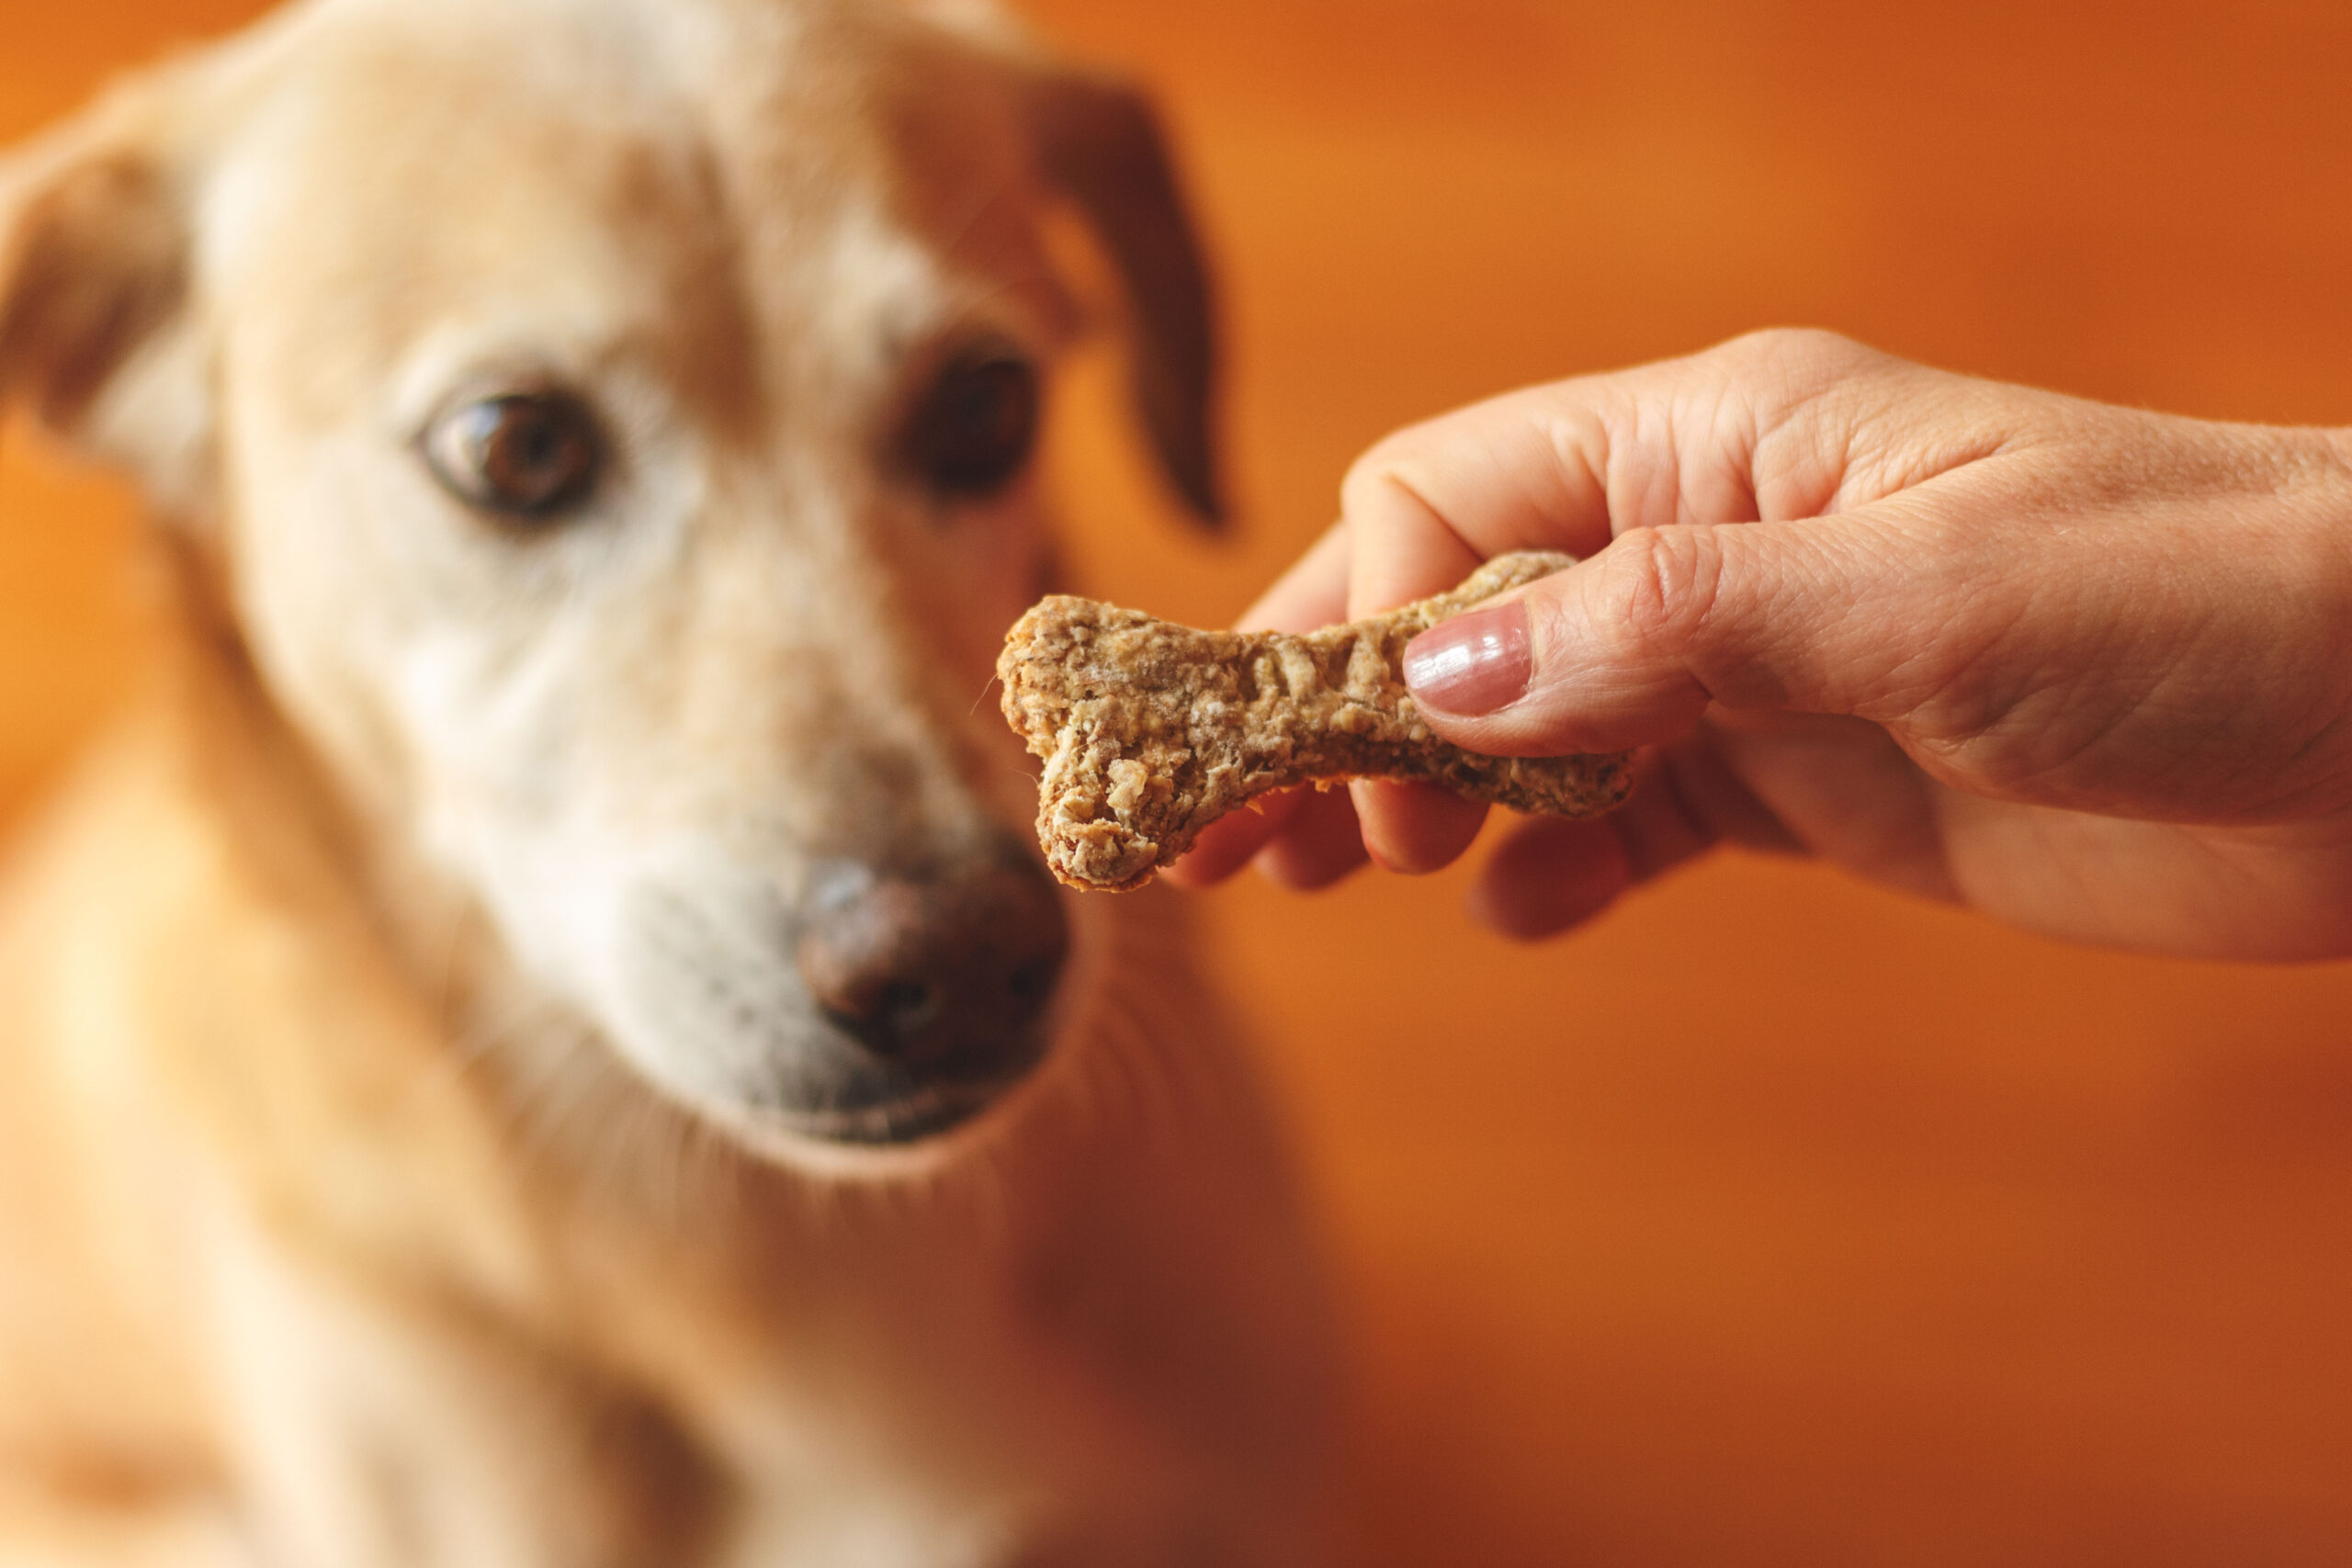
[2085,669]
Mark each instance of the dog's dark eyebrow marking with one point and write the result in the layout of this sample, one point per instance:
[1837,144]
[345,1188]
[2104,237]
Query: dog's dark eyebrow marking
[989,199]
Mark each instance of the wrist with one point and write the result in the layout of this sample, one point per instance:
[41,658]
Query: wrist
[2314,465]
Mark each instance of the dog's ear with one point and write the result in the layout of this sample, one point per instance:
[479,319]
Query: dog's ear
[1098,142]
[93,282]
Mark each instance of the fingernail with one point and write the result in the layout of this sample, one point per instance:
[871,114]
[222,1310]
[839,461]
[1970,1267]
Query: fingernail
[1471,664]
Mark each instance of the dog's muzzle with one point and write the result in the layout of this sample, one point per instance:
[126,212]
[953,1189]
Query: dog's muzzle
[934,987]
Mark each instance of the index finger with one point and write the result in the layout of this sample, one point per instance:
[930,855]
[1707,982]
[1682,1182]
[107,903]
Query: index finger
[1426,506]
[1312,594]
[1752,428]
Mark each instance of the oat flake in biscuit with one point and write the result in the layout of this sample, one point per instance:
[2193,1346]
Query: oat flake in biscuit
[1152,731]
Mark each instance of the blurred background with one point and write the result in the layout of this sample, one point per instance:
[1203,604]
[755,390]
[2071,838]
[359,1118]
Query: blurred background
[1771,1220]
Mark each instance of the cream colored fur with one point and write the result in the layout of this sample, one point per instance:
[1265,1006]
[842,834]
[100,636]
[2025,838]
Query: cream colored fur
[367,1195]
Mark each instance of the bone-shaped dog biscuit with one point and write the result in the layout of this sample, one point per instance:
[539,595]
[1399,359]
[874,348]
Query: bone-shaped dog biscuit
[1152,732]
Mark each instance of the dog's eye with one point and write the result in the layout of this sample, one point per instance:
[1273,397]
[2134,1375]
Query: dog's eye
[976,428]
[527,454]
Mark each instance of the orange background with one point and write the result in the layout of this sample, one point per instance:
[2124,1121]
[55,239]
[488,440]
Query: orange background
[1771,1220]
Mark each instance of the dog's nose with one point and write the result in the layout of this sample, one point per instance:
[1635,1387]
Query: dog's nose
[946,972]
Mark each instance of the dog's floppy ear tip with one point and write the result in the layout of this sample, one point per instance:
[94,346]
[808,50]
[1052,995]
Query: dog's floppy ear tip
[96,258]
[94,251]
[91,262]
[1100,142]
[1179,412]
[1197,486]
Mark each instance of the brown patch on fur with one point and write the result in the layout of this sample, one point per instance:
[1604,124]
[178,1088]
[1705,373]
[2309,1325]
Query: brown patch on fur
[93,262]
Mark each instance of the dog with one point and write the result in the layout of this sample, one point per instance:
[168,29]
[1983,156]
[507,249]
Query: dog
[540,1039]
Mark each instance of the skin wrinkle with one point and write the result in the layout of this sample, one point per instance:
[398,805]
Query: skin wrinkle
[1860,473]
[2329,460]
[1635,475]
[2330,562]
[1375,596]
[2012,721]
[1799,484]
[1928,669]
[1875,459]
[1662,586]
[1737,406]
[1531,503]
[2170,745]
[1713,486]
[1960,719]
[1685,623]
[2330,733]
[1786,415]
[2000,722]
[1401,484]
[1571,445]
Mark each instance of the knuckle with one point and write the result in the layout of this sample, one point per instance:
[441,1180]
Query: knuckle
[1656,588]
[1796,344]
[1806,391]
[1796,363]
[1380,473]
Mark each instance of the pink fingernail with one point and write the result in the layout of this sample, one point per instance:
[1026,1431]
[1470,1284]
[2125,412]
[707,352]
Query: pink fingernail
[1471,664]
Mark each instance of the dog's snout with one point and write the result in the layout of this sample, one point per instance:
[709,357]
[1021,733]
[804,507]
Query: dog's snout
[945,972]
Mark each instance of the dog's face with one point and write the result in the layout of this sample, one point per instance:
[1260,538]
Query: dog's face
[615,422]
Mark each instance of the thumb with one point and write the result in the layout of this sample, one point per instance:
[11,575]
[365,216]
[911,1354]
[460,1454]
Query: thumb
[1868,612]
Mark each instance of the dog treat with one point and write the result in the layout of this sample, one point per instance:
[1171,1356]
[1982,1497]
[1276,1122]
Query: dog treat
[1152,732]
